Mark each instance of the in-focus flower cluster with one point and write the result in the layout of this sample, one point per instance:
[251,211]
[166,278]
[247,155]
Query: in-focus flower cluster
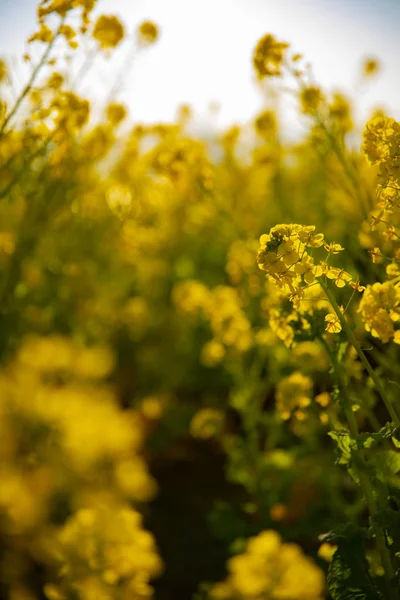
[380,310]
[284,255]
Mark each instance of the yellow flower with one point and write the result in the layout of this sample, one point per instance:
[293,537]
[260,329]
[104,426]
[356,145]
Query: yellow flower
[207,423]
[293,392]
[376,138]
[310,100]
[212,353]
[333,323]
[392,270]
[333,248]
[308,237]
[356,286]
[152,407]
[340,276]
[55,81]
[265,124]
[340,112]
[268,56]
[3,70]
[68,32]
[109,542]
[283,255]
[134,480]
[190,296]
[115,113]
[371,66]
[323,399]
[306,268]
[380,309]
[108,31]
[376,255]
[44,34]
[270,568]
[326,551]
[147,33]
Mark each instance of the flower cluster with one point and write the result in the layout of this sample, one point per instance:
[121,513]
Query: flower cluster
[106,546]
[268,56]
[147,33]
[72,432]
[108,31]
[207,423]
[285,255]
[222,307]
[271,568]
[380,310]
[382,147]
[139,335]
[293,393]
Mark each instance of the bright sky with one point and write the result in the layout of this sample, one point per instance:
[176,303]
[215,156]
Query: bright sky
[204,53]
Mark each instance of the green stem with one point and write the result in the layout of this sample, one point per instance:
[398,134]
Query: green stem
[367,411]
[364,479]
[121,73]
[25,169]
[32,79]
[352,339]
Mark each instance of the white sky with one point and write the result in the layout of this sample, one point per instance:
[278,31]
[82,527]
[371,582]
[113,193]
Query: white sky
[204,53]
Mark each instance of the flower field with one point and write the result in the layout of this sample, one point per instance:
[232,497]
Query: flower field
[200,338]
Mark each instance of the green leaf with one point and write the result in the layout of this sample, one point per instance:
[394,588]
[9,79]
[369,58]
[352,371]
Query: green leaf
[368,440]
[389,520]
[345,445]
[348,577]
[387,464]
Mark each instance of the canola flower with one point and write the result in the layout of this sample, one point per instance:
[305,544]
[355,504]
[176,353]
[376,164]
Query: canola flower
[136,315]
[293,392]
[108,31]
[285,255]
[380,310]
[147,33]
[207,423]
[271,568]
[110,544]
[268,56]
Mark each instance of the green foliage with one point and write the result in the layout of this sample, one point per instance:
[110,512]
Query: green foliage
[348,576]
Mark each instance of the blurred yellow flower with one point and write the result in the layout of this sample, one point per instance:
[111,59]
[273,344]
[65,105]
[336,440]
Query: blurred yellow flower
[207,423]
[108,31]
[268,56]
[147,33]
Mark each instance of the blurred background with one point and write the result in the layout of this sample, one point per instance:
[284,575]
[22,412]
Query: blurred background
[203,56]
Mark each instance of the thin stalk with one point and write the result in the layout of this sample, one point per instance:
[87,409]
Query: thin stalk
[87,63]
[368,412]
[352,339]
[350,173]
[122,73]
[364,479]
[32,79]
[24,170]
